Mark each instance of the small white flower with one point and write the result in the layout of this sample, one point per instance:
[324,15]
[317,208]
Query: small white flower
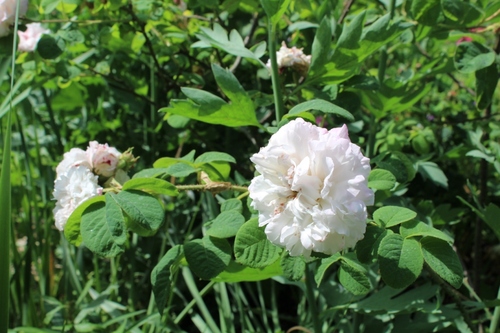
[29,39]
[312,190]
[71,188]
[104,159]
[293,57]
[8,14]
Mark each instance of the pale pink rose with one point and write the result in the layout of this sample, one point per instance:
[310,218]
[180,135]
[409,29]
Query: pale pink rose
[312,190]
[29,39]
[8,14]
[104,158]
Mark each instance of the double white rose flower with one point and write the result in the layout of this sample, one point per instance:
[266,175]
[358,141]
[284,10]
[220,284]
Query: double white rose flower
[8,14]
[312,190]
[78,177]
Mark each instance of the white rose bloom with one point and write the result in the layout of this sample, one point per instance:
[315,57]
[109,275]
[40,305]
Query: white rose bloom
[104,159]
[293,57]
[71,188]
[75,157]
[29,39]
[312,191]
[8,14]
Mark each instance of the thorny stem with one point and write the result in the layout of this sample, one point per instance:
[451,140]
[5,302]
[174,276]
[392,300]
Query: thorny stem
[311,299]
[278,100]
[214,187]
[454,294]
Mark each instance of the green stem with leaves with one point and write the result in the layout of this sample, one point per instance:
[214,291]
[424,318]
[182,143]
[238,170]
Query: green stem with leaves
[311,299]
[278,98]
[496,316]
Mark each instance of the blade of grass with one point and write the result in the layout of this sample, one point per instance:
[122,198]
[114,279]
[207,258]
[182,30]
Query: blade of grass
[5,233]
[225,313]
[5,202]
[189,280]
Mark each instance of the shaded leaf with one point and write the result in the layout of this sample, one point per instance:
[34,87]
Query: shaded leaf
[293,267]
[321,105]
[207,257]
[162,274]
[473,56]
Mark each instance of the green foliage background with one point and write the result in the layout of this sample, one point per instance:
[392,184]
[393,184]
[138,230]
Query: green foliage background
[416,83]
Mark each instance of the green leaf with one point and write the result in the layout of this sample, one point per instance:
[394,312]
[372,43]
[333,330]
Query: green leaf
[390,301]
[473,56]
[214,157]
[226,224]
[115,219]
[275,9]
[239,273]
[49,47]
[400,260]
[232,205]
[321,46]
[394,97]
[431,171]
[145,214]
[73,36]
[380,179]
[151,173]
[181,170]
[421,7]
[325,264]
[218,38]
[321,105]
[367,248]
[486,83]
[390,216]
[354,277]
[441,258]
[491,217]
[72,228]
[217,171]
[207,257]
[464,13]
[161,276]
[355,44]
[166,162]
[151,185]
[398,164]
[418,228]
[293,267]
[209,108]
[96,234]
[252,248]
